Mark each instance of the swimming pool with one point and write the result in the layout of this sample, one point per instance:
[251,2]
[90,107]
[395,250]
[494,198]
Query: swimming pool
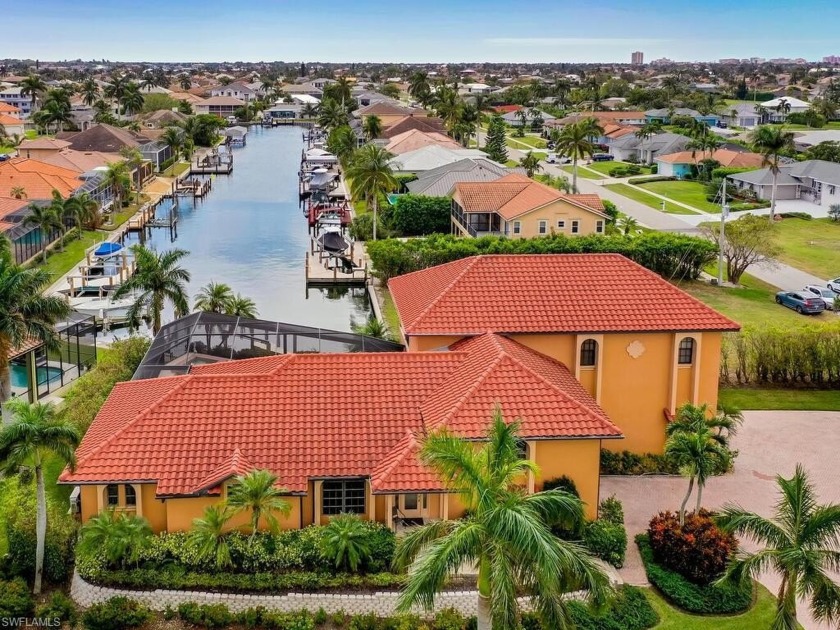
[46,374]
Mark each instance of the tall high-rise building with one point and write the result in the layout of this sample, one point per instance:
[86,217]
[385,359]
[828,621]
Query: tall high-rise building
[637,58]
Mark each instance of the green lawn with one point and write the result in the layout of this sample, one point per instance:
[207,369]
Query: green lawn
[389,312]
[649,200]
[799,399]
[812,246]
[60,263]
[582,172]
[758,617]
[752,304]
[829,125]
[176,169]
[532,141]
[691,193]
[606,167]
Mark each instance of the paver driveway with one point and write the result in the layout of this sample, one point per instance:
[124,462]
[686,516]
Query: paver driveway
[770,443]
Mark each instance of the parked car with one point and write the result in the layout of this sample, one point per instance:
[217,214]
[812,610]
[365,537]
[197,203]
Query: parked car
[827,295]
[801,302]
[4,157]
[553,158]
[549,146]
[602,157]
[834,285]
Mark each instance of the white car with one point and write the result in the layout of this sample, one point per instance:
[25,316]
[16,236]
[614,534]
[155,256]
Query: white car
[834,285]
[553,158]
[827,295]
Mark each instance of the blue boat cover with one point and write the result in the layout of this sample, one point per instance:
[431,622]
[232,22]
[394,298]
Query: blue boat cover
[106,249]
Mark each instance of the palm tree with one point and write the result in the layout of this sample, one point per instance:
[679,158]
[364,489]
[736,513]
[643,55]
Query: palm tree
[5,253]
[648,130]
[157,279]
[309,110]
[32,86]
[215,297]
[628,225]
[531,164]
[332,115]
[18,192]
[120,538]
[372,328]
[370,176]
[573,141]
[132,99]
[699,444]
[772,142]
[132,158]
[25,313]
[83,210]
[507,533]
[118,178]
[89,91]
[115,90]
[209,534]
[34,437]
[242,306]
[419,88]
[57,208]
[174,137]
[342,143]
[46,220]
[372,126]
[800,542]
[257,493]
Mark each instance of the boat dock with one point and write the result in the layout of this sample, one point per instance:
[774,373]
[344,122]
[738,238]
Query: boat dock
[194,188]
[325,268]
[314,211]
[213,165]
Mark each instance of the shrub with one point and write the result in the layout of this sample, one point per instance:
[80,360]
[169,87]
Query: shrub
[654,169]
[647,180]
[417,215]
[562,483]
[725,171]
[449,619]
[619,171]
[698,550]
[629,609]
[607,541]
[796,215]
[60,607]
[166,164]
[361,229]
[628,463]
[344,542]
[713,599]
[675,256]
[115,614]
[15,599]
[205,615]
[634,169]
[611,511]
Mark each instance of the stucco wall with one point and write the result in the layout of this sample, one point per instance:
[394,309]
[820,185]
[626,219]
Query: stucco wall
[577,459]
[552,214]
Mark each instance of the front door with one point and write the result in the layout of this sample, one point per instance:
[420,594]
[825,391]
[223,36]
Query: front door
[412,505]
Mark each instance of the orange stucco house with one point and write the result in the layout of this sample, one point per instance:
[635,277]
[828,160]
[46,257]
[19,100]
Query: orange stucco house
[532,334]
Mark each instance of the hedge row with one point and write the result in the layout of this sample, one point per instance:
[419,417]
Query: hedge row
[713,599]
[809,355]
[675,256]
[648,180]
[628,463]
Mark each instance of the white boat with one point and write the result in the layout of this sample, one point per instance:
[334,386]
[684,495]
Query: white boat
[114,311]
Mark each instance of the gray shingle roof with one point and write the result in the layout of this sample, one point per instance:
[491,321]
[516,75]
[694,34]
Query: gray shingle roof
[819,170]
[438,182]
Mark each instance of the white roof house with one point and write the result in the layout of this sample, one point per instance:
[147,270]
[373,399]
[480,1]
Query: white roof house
[431,156]
[778,111]
[305,99]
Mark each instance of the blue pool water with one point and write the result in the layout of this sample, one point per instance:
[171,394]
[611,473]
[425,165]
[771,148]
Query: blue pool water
[45,374]
[250,233]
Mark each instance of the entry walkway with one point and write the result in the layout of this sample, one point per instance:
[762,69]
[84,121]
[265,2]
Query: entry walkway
[769,443]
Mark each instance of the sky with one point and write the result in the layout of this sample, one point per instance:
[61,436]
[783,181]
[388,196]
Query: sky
[434,31]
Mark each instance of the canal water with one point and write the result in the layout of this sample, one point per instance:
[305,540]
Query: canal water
[250,233]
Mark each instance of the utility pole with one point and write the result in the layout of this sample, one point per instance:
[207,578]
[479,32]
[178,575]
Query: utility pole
[724,211]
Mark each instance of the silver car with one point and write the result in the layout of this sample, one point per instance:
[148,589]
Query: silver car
[827,295]
[834,285]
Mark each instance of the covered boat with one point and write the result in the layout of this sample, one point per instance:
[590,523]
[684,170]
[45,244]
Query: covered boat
[332,240]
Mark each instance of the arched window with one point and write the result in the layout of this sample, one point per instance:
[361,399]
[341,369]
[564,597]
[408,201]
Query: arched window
[130,496]
[588,353]
[112,492]
[685,354]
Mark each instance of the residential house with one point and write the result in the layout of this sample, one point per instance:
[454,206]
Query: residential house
[305,99]
[221,106]
[778,109]
[804,141]
[429,157]
[365,98]
[269,413]
[532,118]
[742,115]
[11,125]
[407,123]
[163,118]
[630,148]
[439,182]
[23,103]
[639,346]
[9,110]
[302,88]
[684,163]
[520,207]
[237,90]
[604,118]
[816,181]
[388,113]
[476,88]
[415,139]
[664,115]
[157,152]
[284,111]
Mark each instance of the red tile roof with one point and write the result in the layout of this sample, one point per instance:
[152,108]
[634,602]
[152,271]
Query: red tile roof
[725,157]
[512,196]
[506,109]
[5,119]
[8,109]
[546,293]
[37,178]
[326,415]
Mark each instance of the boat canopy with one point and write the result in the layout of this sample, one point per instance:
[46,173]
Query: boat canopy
[333,241]
[320,180]
[107,249]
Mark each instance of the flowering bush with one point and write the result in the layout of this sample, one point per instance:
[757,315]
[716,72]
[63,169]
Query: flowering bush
[697,550]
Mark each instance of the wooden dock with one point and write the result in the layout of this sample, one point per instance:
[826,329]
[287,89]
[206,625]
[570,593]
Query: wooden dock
[213,165]
[139,221]
[330,269]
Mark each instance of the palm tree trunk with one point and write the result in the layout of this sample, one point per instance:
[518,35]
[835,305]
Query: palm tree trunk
[773,195]
[375,203]
[574,174]
[685,500]
[40,529]
[44,245]
[699,495]
[5,379]
[485,621]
